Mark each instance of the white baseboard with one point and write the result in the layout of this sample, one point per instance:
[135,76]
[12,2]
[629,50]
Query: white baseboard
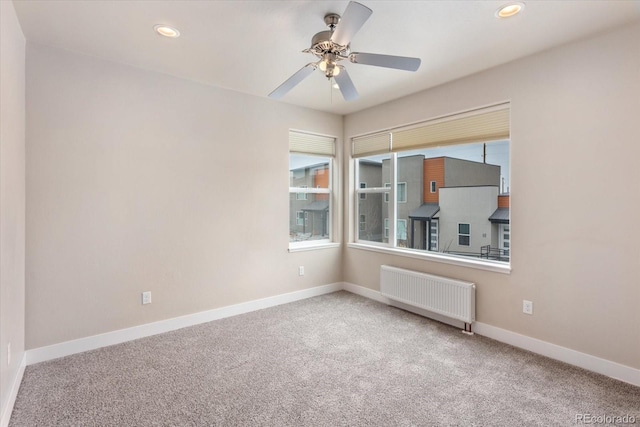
[586,361]
[13,394]
[573,357]
[67,348]
[583,360]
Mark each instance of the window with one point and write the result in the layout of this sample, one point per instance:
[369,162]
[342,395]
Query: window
[401,230]
[464,234]
[363,196]
[300,217]
[301,196]
[310,188]
[363,222]
[505,237]
[401,192]
[434,180]
[433,235]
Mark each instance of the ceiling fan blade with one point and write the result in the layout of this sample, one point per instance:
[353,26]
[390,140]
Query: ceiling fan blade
[349,92]
[387,61]
[292,81]
[353,18]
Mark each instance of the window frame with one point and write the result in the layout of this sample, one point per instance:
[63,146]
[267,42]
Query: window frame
[398,222]
[302,217]
[386,194]
[398,192]
[504,244]
[382,143]
[302,192]
[302,195]
[467,235]
[434,224]
[363,196]
[306,190]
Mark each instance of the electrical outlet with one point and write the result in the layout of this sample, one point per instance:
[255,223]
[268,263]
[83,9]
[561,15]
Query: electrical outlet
[527,307]
[9,354]
[146,297]
[301,271]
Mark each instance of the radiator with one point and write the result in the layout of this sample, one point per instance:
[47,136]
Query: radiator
[442,295]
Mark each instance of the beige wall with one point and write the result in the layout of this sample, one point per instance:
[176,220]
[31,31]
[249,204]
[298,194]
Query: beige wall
[575,185]
[138,181]
[12,199]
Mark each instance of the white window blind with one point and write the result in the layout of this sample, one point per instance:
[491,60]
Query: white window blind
[371,144]
[307,143]
[482,125]
[478,126]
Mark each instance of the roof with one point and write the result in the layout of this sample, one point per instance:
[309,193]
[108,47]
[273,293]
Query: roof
[425,212]
[500,216]
[318,205]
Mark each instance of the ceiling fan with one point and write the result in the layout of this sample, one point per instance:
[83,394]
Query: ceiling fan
[333,45]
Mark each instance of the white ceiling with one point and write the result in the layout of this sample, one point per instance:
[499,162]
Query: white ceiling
[253,46]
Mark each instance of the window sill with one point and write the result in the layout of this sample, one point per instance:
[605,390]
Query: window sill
[469,263]
[300,247]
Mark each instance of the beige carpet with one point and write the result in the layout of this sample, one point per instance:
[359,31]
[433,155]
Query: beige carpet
[334,360]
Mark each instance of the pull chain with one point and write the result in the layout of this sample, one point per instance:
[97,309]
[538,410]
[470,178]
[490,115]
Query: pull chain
[330,91]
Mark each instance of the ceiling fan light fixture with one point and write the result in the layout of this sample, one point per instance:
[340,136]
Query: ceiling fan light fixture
[329,64]
[167,31]
[509,10]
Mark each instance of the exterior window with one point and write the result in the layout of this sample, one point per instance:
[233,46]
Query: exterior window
[401,193]
[372,207]
[300,217]
[440,189]
[311,163]
[402,230]
[433,239]
[439,220]
[464,234]
[505,237]
[363,196]
[309,199]
[301,196]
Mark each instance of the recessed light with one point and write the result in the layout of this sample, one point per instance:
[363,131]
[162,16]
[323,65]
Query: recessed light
[509,10]
[167,31]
